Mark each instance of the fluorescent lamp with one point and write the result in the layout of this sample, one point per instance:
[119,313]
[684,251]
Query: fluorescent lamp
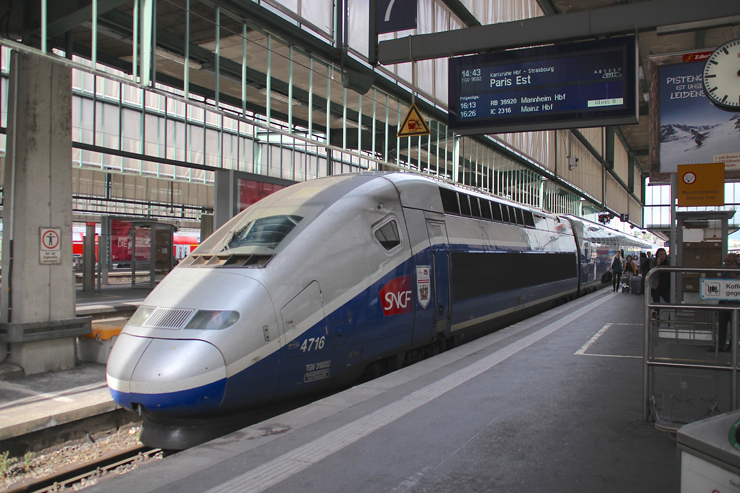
[280,97]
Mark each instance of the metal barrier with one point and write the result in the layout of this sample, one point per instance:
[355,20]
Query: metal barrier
[677,353]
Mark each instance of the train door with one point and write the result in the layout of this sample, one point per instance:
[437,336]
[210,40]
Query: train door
[440,280]
[305,340]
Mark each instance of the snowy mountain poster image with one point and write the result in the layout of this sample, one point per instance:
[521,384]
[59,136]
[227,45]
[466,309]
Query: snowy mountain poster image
[693,130]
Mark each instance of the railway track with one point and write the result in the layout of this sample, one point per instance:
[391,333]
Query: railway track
[88,472]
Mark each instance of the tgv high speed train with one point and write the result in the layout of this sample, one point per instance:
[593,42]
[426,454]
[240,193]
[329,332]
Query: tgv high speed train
[339,278]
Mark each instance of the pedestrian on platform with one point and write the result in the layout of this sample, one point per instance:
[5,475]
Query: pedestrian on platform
[630,269]
[660,283]
[644,267]
[616,269]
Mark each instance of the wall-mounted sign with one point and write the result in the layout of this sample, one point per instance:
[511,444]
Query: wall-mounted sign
[701,184]
[586,84]
[720,289]
[50,246]
[413,125]
[395,15]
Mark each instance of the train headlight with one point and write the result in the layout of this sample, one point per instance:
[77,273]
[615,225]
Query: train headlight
[140,315]
[213,320]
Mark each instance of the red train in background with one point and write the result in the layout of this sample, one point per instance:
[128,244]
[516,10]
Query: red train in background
[182,244]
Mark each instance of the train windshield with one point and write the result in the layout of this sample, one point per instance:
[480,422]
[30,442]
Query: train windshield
[265,232]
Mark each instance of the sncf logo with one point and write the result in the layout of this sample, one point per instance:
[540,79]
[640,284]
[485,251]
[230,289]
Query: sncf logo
[396,296]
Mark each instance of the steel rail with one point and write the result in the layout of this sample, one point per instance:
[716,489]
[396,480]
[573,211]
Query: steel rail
[72,474]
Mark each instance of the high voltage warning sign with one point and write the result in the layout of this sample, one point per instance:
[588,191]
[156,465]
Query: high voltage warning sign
[414,125]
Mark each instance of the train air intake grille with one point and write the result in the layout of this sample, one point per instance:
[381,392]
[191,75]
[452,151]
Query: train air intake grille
[165,318]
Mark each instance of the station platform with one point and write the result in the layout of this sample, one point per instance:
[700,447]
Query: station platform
[37,402]
[552,403]
[109,299]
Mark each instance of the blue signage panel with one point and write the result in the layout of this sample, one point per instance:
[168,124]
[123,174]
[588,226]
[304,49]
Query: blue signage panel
[395,15]
[587,84]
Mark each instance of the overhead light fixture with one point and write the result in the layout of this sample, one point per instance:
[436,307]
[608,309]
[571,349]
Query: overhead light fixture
[280,97]
[358,82]
[353,124]
[684,27]
[177,58]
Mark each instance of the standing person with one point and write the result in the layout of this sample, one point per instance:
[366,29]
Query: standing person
[630,269]
[725,316]
[644,267]
[660,283]
[616,269]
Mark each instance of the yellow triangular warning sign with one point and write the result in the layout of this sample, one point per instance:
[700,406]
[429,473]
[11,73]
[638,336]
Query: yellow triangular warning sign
[413,124]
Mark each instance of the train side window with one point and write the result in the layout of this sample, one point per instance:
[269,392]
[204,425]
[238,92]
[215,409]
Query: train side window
[485,209]
[449,200]
[387,235]
[496,209]
[519,216]
[505,213]
[464,204]
[474,207]
[529,219]
[512,214]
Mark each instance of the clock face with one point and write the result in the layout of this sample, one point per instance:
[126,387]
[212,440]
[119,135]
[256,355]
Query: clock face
[722,76]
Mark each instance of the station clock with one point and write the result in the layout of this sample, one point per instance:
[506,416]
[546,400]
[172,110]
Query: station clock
[721,78]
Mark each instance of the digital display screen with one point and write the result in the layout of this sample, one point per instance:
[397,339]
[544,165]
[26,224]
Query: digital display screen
[587,84]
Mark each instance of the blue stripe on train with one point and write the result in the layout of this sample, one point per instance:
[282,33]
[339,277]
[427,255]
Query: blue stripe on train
[199,400]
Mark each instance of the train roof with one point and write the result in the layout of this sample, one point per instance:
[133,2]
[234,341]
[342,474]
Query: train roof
[598,232]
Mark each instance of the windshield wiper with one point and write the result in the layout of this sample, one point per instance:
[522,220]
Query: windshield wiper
[228,239]
[234,234]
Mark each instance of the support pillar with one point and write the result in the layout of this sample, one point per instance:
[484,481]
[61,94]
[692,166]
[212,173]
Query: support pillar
[88,259]
[37,302]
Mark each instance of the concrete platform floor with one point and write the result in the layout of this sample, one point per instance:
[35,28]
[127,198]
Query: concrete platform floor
[32,403]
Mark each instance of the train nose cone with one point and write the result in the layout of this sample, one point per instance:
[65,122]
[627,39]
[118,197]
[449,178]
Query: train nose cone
[171,377]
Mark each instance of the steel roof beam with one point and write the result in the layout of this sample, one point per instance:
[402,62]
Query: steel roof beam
[118,22]
[547,7]
[460,10]
[586,24]
[68,20]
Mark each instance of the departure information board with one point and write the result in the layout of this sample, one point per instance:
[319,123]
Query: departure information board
[586,84]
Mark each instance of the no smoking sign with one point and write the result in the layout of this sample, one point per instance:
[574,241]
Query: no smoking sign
[50,251]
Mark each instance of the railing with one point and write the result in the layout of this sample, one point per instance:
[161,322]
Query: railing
[680,336]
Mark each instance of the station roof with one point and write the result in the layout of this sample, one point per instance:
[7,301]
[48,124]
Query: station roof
[663,26]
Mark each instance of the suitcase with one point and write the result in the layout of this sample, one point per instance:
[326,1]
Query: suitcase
[636,285]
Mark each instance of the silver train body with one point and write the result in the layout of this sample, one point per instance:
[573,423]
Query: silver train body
[327,279]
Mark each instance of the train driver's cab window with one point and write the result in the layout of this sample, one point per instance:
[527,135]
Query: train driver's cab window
[265,232]
[387,234]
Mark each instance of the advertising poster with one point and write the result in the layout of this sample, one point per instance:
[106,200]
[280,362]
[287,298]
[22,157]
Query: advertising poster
[251,191]
[121,238]
[688,129]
